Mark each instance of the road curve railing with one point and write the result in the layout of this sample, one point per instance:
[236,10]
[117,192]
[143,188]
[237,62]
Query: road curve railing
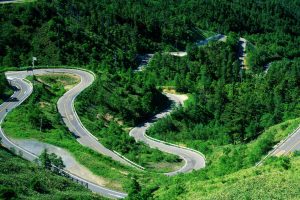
[277,146]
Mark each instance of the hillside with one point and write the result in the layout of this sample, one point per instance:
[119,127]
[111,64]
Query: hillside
[226,178]
[279,179]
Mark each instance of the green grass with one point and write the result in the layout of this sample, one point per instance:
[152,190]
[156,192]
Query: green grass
[20,179]
[271,181]
[6,90]
[6,94]
[59,78]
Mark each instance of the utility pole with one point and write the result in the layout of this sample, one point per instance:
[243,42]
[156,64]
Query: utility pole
[33,59]
[41,124]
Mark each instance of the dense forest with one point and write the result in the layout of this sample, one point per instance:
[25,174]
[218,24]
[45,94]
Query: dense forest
[116,101]
[241,104]
[113,32]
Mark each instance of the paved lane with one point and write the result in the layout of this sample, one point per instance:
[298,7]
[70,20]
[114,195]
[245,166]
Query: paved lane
[289,145]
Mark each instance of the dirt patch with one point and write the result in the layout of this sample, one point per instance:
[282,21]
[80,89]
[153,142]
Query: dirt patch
[166,166]
[169,89]
[108,117]
[67,80]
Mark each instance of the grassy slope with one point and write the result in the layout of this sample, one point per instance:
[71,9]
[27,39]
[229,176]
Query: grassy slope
[21,179]
[248,154]
[255,150]
[264,182]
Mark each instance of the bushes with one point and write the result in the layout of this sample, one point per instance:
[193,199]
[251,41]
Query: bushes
[49,160]
[279,162]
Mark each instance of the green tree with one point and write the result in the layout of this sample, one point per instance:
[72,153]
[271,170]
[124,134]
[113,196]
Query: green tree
[48,160]
[134,190]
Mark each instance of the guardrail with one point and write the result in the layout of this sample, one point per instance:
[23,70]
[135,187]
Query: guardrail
[31,157]
[277,146]
[131,162]
[175,145]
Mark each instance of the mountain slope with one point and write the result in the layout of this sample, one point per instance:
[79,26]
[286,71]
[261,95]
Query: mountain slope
[278,179]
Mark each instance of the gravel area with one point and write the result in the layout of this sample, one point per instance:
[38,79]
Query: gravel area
[71,164]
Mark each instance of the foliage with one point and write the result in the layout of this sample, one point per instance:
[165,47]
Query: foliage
[21,179]
[117,101]
[228,111]
[5,89]
[225,113]
[262,182]
[49,160]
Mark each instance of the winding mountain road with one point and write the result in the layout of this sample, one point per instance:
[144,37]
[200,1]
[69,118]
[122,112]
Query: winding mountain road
[194,160]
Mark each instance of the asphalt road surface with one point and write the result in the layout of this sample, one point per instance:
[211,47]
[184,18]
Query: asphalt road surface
[217,37]
[145,59]
[193,160]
